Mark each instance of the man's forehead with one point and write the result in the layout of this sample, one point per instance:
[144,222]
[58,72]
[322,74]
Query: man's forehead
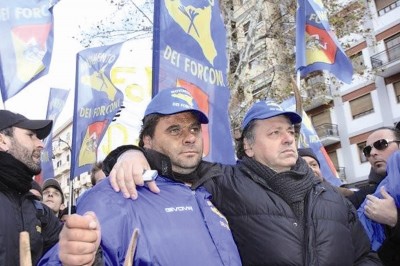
[184,118]
[380,134]
[277,120]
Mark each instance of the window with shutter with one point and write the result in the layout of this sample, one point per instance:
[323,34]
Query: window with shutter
[384,6]
[361,106]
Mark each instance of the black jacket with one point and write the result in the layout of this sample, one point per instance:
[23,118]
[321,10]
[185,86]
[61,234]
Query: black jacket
[18,213]
[389,252]
[264,226]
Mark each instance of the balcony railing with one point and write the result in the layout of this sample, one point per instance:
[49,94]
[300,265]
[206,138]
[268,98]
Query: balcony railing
[342,174]
[386,57]
[327,130]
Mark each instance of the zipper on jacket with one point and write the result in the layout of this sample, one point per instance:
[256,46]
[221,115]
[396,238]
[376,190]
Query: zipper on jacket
[21,212]
[309,225]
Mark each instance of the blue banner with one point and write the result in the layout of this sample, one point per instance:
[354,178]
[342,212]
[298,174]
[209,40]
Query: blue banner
[97,100]
[317,47]
[57,99]
[190,52]
[26,45]
[309,139]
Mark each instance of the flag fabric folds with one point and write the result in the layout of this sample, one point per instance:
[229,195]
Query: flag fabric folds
[376,231]
[26,28]
[113,88]
[317,47]
[97,100]
[190,52]
[309,139]
[57,99]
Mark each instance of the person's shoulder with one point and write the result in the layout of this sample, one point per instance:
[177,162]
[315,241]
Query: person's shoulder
[100,191]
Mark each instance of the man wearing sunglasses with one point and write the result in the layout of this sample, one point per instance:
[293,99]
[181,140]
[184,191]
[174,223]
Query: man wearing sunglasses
[381,206]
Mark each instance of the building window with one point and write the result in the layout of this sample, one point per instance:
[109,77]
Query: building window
[393,47]
[396,86]
[361,106]
[384,6]
[357,61]
[246,27]
[256,59]
[58,163]
[360,147]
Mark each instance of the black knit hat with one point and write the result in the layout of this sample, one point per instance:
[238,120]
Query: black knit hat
[309,153]
[8,119]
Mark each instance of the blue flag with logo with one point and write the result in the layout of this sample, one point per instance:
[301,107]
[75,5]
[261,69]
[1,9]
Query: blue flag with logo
[97,100]
[309,139]
[190,52]
[57,99]
[317,47]
[26,44]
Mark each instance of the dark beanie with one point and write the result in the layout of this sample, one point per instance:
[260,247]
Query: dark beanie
[308,152]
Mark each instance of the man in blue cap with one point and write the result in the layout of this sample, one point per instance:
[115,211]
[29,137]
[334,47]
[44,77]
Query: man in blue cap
[179,226]
[278,214]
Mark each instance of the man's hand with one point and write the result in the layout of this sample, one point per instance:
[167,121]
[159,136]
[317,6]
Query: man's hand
[127,173]
[79,239]
[382,211]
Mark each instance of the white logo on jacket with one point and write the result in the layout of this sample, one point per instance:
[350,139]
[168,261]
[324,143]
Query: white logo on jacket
[179,209]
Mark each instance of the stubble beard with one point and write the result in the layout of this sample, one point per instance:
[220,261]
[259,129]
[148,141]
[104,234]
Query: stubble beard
[25,156]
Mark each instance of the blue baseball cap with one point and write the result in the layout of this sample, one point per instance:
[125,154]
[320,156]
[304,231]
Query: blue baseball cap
[172,101]
[267,109]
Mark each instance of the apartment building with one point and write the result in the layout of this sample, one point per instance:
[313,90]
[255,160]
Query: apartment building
[61,158]
[343,114]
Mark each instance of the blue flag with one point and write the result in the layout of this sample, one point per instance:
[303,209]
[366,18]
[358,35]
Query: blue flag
[26,44]
[190,52]
[309,139]
[376,231]
[97,100]
[317,47]
[57,99]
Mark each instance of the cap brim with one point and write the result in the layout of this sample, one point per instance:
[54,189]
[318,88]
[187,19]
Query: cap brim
[41,127]
[202,117]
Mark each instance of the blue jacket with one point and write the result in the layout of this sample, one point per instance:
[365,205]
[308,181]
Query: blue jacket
[179,226]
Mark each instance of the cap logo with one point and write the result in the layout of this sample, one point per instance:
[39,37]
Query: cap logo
[184,97]
[273,106]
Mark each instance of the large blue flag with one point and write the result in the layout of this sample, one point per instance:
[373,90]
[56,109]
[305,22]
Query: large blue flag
[99,95]
[317,47]
[57,99]
[26,44]
[309,139]
[190,52]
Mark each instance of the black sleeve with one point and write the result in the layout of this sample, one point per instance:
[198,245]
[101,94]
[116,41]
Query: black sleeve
[358,197]
[112,157]
[51,228]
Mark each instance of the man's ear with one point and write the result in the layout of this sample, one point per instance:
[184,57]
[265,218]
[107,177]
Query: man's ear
[147,142]
[4,142]
[248,149]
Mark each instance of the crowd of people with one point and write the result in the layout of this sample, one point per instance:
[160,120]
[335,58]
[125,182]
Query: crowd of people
[273,207]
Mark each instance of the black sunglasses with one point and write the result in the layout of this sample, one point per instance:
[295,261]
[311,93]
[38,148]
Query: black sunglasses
[380,145]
